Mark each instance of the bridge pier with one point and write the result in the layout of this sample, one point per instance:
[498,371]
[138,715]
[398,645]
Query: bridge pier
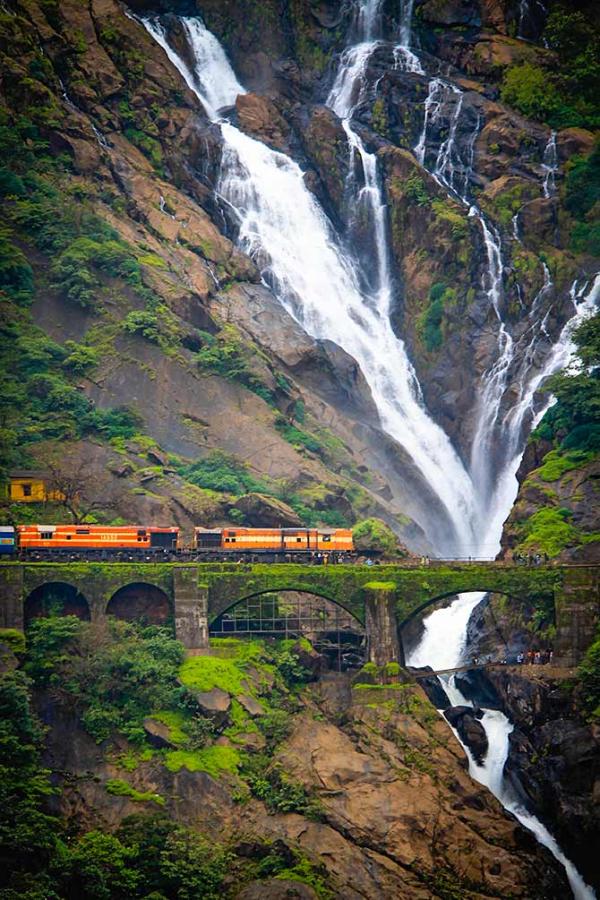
[190,605]
[577,605]
[11,595]
[381,623]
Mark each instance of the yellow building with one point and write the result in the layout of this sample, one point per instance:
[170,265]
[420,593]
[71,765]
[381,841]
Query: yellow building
[29,486]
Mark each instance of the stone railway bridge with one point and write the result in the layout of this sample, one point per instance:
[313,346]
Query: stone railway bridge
[383,598]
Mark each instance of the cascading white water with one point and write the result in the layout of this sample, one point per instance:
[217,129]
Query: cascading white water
[550,166]
[345,95]
[282,225]
[452,172]
[404,57]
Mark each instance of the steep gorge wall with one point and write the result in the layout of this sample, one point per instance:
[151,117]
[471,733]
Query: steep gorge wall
[149,168]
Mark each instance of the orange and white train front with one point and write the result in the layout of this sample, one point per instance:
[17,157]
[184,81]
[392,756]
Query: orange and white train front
[96,537]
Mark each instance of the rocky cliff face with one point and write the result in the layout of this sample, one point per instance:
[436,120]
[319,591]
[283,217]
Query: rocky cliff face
[133,148]
[399,815]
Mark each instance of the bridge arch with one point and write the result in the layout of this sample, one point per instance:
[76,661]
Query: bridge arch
[55,598]
[332,629]
[521,596]
[141,601]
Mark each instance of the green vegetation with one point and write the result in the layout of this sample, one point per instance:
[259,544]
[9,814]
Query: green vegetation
[278,791]
[13,639]
[556,463]
[564,95]
[453,218]
[548,531]
[374,534]
[214,760]
[222,472]
[582,200]
[574,420]
[131,672]
[589,679]
[572,424]
[414,188]
[110,676]
[119,788]
[44,210]
[430,322]
[228,355]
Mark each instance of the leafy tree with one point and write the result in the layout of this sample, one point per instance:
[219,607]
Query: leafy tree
[76,477]
[193,867]
[27,834]
[119,673]
[99,867]
[49,645]
[16,275]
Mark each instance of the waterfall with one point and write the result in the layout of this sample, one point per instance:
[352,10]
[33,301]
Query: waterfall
[452,171]
[367,202]
[403,55]
[550,166]
[281,225]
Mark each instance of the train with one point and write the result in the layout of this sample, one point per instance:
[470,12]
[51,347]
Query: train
[46,542]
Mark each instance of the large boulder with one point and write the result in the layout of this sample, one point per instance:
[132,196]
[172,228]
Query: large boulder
[252,706]
[213,703]
[268,512]
[260,118]
[470,729]
[158,734]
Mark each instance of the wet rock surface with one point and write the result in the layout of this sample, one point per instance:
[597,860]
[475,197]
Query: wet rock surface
[554,760]
[466,721]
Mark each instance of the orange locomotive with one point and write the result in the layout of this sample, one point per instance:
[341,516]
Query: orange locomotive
[96,537]
[274,540]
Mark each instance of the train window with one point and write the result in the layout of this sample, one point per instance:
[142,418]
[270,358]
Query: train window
[231,534]
[326,538]
[82,531]
[27,490]
[141,533]
[298,540]
[46,535]
[68,536]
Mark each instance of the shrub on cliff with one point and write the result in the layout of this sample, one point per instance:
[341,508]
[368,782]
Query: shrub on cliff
[589,677]
[118,673]
[374,534]
[565,95]
[576,415]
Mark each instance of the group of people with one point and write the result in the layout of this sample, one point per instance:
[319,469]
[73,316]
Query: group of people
[536,657]
[531,658]
[530,559]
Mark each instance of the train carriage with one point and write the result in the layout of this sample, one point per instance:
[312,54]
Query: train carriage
[8,540]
